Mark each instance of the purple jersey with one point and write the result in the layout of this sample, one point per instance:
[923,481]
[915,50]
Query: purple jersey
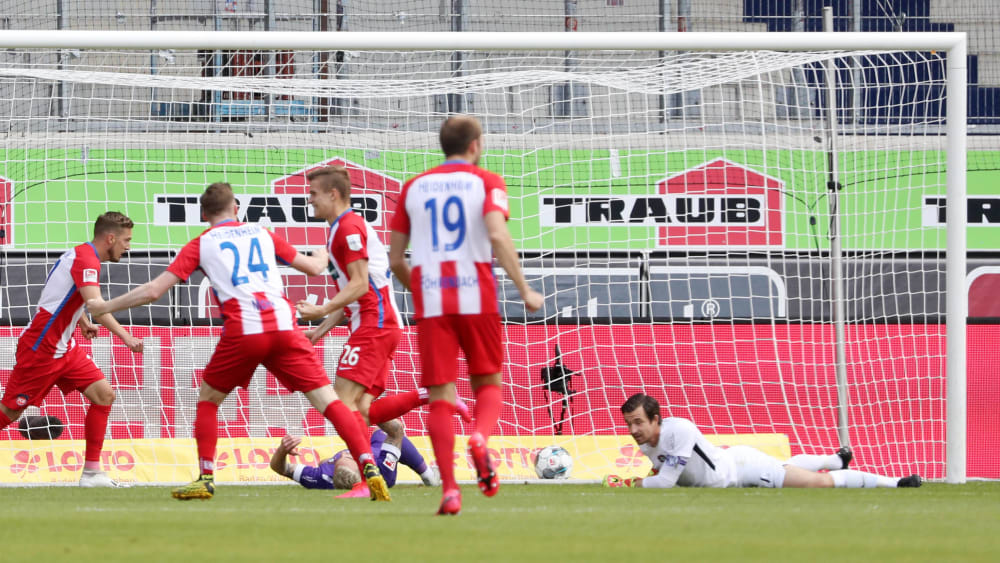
[321,477]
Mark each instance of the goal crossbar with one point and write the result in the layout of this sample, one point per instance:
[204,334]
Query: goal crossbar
[519,41]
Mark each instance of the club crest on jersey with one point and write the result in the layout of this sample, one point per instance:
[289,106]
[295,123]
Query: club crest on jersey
[21,400]
[354,242]
[90,275]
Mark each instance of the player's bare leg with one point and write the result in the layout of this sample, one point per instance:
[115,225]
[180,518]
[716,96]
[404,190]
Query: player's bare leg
[206,435]
[489,401]
[346,422]
[95,426]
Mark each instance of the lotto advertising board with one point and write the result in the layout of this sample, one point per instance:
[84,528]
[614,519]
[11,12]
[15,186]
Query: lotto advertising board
[588,200]
[241,460]
[760,379]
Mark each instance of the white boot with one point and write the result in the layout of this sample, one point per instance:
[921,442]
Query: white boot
[431,477]
[95,479]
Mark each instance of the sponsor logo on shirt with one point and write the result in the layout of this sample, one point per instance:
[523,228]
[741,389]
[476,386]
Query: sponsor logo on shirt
[89,276]
[354,242]
[262,304]
[448,282]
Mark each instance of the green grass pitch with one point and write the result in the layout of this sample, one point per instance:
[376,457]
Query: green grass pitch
[522,523]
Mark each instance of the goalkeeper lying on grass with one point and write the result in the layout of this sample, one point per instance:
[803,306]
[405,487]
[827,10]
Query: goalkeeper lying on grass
[682,457]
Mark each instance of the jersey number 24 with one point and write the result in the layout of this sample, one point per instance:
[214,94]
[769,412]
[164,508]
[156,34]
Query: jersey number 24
[255,263]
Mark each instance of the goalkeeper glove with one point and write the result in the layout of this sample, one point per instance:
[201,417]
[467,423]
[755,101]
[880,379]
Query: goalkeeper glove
[615,481]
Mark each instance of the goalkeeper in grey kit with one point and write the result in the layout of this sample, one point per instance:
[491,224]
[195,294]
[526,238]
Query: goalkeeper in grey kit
[682,457]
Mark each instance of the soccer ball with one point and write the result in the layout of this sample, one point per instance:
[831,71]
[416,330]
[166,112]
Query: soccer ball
[553,462]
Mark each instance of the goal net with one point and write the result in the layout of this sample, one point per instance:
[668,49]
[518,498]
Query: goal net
[704,230]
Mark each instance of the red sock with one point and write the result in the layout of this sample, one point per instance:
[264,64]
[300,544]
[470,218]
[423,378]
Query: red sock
[4,420]
[365,431]
[347,428]
[489,401]
[95,425]
[388,408]
[439,425]
[206,434]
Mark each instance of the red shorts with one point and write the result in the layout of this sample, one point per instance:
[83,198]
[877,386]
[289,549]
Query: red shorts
[479,336]
[366,357]
[285,353]
[35,373]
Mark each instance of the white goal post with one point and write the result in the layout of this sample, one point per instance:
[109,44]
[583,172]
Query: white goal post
[620,259]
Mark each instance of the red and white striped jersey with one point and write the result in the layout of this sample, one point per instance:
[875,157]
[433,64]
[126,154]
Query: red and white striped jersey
[442,210]
[352,238]
[60,306]
[241,261]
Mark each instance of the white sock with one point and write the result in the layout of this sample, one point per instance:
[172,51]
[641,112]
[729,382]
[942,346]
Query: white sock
[817,462]
[428,474]
[851,479]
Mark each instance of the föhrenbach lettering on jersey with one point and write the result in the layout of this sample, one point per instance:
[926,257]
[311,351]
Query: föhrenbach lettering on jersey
[241,261]
[61,305]
[351,239]
[451,253]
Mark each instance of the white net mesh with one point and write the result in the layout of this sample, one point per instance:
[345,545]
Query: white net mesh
[673,208]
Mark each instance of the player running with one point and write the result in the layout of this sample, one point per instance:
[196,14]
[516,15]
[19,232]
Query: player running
[682,457]
[455,214]
[47,354]
[259,327]
[360,270]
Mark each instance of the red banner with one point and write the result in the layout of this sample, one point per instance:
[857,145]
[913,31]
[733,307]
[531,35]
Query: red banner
[728,379]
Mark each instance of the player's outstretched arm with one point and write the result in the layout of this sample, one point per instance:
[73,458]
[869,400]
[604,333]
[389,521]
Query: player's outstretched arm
[279,461]
[397,257]
[357,271]
[87,328]
[315,334]
[90,293]
[503,248]
[145,293]
[313,264]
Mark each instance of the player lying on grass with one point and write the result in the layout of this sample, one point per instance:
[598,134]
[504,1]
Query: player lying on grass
[682,457]
[341,471]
